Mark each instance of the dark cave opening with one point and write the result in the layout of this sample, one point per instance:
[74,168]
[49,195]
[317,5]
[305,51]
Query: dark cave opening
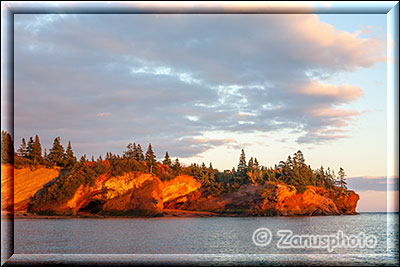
[93,207]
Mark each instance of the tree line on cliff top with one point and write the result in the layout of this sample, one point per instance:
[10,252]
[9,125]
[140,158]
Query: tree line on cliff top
[294,171]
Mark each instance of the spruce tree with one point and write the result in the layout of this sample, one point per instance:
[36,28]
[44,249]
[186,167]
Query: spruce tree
[22,152]
[36,153]
[29,148]
[342,180]
[176,167]
[167,159]
[130,153]
[138,153]
[150,158]
[56,153]
[83,159]
[242,163]
[69,159]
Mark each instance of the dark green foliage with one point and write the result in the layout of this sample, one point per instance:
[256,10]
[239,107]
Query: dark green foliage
[7,148]
[176,167]
[242,168]
[294,171]
[56,153]
[29,147]
[150,158]
[119,166]
[36,152]
[69,159]
[130,153]
[341,179]
[22,150]
[138,153]
[65,186]
[20,162]
[167,159]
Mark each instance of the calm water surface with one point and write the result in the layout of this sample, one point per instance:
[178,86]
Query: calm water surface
[214,235]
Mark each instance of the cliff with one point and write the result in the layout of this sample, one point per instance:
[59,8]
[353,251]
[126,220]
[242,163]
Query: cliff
[133,193]
[271,200]
[24,183]
[144,194]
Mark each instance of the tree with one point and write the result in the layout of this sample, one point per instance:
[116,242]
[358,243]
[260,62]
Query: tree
[69,159]
[138,153]
[130,153]
[253,171]
[36,153]
[176,167]
[203,174]
[167,159]
[242,163]
[342,180]
[83,159]
[22,152]
[56,153]
[7,148]
[29,148]
[251,163]
[150,158]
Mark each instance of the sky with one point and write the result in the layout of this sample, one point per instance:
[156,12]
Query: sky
[202,87]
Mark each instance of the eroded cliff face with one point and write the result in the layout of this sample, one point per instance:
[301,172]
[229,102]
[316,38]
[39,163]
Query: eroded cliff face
[271,200]
[25,183]
[144,194]
[130,194]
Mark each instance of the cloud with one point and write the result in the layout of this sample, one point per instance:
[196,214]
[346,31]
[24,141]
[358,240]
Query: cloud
[102,114]
[373,183]
[343,93]
[167,79]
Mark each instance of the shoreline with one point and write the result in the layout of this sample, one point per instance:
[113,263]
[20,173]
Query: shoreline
[165,214]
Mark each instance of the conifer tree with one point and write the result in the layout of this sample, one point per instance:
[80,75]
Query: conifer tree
[342,180]
[242,163]
[29,148]
[150,158]
[22,152]
[69,158]
[176,166]
[56,153]
[251,163]
[36,153]
[130,153]
[167,159]
[83,159]
[211,172]
[138,153]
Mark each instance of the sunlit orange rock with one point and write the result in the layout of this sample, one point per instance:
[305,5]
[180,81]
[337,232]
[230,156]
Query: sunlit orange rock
[24,182]
[179,186]
[146,198]
[270,200]
[7,188]
[285,200]
[137,193]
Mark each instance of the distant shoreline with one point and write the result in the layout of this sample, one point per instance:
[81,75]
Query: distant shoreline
[165,214]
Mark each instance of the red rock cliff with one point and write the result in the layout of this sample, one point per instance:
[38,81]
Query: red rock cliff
[145,194]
